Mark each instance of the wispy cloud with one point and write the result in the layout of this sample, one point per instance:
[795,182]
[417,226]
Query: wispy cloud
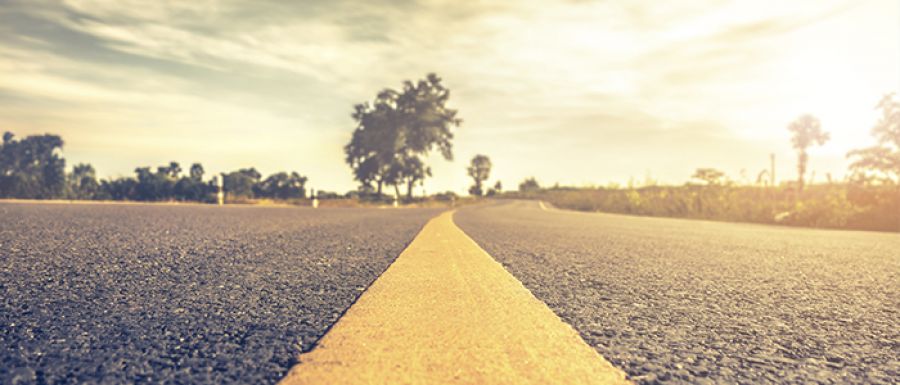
[270,83]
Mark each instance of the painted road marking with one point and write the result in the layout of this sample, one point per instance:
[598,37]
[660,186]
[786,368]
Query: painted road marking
[446,313]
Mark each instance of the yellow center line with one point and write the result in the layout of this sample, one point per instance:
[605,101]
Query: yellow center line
[446,313]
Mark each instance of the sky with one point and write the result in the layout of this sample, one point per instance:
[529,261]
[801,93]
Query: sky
[572,92]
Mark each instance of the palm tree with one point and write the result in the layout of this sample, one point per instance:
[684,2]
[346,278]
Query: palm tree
[806,131]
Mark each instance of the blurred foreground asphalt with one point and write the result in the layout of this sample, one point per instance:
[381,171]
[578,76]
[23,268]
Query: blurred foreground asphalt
[107,293]
[98,293]
[675,301]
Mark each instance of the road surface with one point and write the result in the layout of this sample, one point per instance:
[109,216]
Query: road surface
[445,312]
[690,302]
[180,294]
[202,294]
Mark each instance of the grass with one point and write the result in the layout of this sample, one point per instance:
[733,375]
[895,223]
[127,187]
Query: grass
[839,206]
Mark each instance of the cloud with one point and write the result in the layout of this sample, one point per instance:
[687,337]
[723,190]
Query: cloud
[231,79]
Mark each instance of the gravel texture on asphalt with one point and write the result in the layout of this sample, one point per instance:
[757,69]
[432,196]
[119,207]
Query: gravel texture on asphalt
[693,302]
[97,293]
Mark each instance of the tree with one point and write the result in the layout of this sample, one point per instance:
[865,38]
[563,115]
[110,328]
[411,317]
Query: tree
[528,185]
[409,170]
[197,171]
[162,185]
[374,142]
[397,130]
[709,175]
[480,170]
[882,160]
[172,170]
[283,186]
[241,183]
[83,182]
[806,131]
[120,189]
[497,189]
[192,187]
[154,186]
[32,167]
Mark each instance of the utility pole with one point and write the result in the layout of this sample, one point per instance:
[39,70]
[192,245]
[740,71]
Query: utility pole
[772,172]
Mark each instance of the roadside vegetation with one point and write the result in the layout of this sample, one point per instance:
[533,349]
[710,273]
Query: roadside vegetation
[869,199]
[396,131]
[837,205]
[34,168]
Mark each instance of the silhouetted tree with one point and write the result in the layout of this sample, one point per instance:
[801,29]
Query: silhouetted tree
[83,182]
[375,141]
[480,170]
[497,189]
[155,186]
[710,176]
[120,189]
[172,170]
[32,167]
[197,171]
[241,183]
[882,160]
[529,184]
[283,186]
[397,130]
[409,170]
[806,131]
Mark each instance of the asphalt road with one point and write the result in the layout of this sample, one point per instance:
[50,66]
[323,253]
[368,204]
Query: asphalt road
[691,302]
[180,294]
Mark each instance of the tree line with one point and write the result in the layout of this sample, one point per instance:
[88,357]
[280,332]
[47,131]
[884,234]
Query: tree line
[393,136]
[33,168]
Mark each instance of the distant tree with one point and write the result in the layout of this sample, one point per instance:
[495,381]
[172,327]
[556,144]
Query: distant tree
[528,185]
[154,186]
[882,160]
[806,131]
[330,195]
[197,171]
[397,130]
[32,167]
[190,187]
[241,183]
[83,182]
[145,189]
[479,170]
[282,186]
[448,196]
[497,189]
[710,176]
[172,170]
[120,189]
